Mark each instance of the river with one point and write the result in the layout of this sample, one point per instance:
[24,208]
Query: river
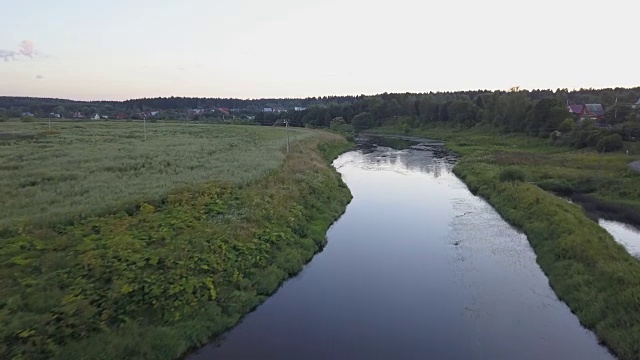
[416,268]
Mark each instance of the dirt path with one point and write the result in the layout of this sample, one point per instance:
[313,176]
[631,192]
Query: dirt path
[635,165]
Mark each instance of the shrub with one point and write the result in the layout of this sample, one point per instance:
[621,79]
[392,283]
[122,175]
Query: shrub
[567,125]
[362,121]
[610,143]
[512,174]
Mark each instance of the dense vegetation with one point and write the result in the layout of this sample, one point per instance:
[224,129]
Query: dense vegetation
[87,169]
[536,112]
[166,276]
[594,275]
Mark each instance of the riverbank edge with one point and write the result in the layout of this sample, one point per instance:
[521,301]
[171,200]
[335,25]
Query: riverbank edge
[286,213]
[588,270]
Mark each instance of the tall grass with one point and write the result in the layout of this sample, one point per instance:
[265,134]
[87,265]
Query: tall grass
[84,169]
[154,284]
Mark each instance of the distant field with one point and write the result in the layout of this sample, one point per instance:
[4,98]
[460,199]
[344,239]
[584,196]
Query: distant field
[94,168]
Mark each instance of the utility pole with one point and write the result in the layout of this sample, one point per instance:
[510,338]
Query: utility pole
[144,124]
[286,125]
[49,121]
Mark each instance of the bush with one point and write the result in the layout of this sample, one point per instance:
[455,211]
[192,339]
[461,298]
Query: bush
[362,121]
[512,174]
[567,125]
[610,143]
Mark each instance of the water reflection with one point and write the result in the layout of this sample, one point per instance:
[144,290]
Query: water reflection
[627,235]
[413,156]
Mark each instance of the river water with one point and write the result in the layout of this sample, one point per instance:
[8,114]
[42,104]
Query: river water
[627,235]
[416,268]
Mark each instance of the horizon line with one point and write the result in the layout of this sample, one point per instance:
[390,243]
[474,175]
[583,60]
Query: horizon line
[334,95]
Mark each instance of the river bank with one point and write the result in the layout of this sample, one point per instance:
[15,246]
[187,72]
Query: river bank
[594,275]
[170,276]
[416,268]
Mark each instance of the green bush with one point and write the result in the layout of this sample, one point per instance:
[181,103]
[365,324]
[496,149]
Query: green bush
[362,121]
[512,174]
[567,125]
[610,143]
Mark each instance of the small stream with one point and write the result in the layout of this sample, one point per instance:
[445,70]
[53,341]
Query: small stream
[416,268]
[627,235]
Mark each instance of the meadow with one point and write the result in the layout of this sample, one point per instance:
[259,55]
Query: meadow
[234,220]
[594,275]
[84,169]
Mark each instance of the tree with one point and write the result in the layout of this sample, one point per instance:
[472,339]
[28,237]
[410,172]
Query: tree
[610,143]
[546,116]
[567,125]
[618,113]
[362,121]
[463,112]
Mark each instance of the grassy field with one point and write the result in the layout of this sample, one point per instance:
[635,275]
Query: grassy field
[84,169]
[169,276]
[587,269]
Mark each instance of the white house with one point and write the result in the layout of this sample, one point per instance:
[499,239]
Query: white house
[267,110]
[299,108]
[95,117]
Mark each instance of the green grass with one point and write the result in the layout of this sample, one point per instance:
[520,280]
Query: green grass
[84,169]
[587,269]
[171,276]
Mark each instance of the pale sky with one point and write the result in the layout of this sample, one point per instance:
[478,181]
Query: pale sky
[121,49]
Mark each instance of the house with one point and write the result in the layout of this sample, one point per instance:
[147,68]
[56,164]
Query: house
[78,115]
[95,117]
[299,108]
[267,110]
[593,111]
[28,114]
[575,110]
[224,109]
[104,117]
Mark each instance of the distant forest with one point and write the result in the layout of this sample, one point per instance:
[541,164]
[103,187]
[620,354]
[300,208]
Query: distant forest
[537,112]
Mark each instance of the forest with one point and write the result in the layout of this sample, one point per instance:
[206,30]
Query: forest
[542,113]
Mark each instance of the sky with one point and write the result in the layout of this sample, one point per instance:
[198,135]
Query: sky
[122,49]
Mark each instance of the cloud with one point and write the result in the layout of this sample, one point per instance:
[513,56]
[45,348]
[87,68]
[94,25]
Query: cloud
[39,77]
[26,48]
[7,55]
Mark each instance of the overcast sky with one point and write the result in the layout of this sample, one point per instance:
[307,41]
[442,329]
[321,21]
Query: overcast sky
[120,49]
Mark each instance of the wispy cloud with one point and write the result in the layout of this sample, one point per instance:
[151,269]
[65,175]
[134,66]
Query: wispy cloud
[26,48]
[39,77]
[8,55]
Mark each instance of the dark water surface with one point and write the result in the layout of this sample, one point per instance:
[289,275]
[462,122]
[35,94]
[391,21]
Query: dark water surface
[417,268]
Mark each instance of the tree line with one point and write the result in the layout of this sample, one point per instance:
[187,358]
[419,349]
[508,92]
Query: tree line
[541,113]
